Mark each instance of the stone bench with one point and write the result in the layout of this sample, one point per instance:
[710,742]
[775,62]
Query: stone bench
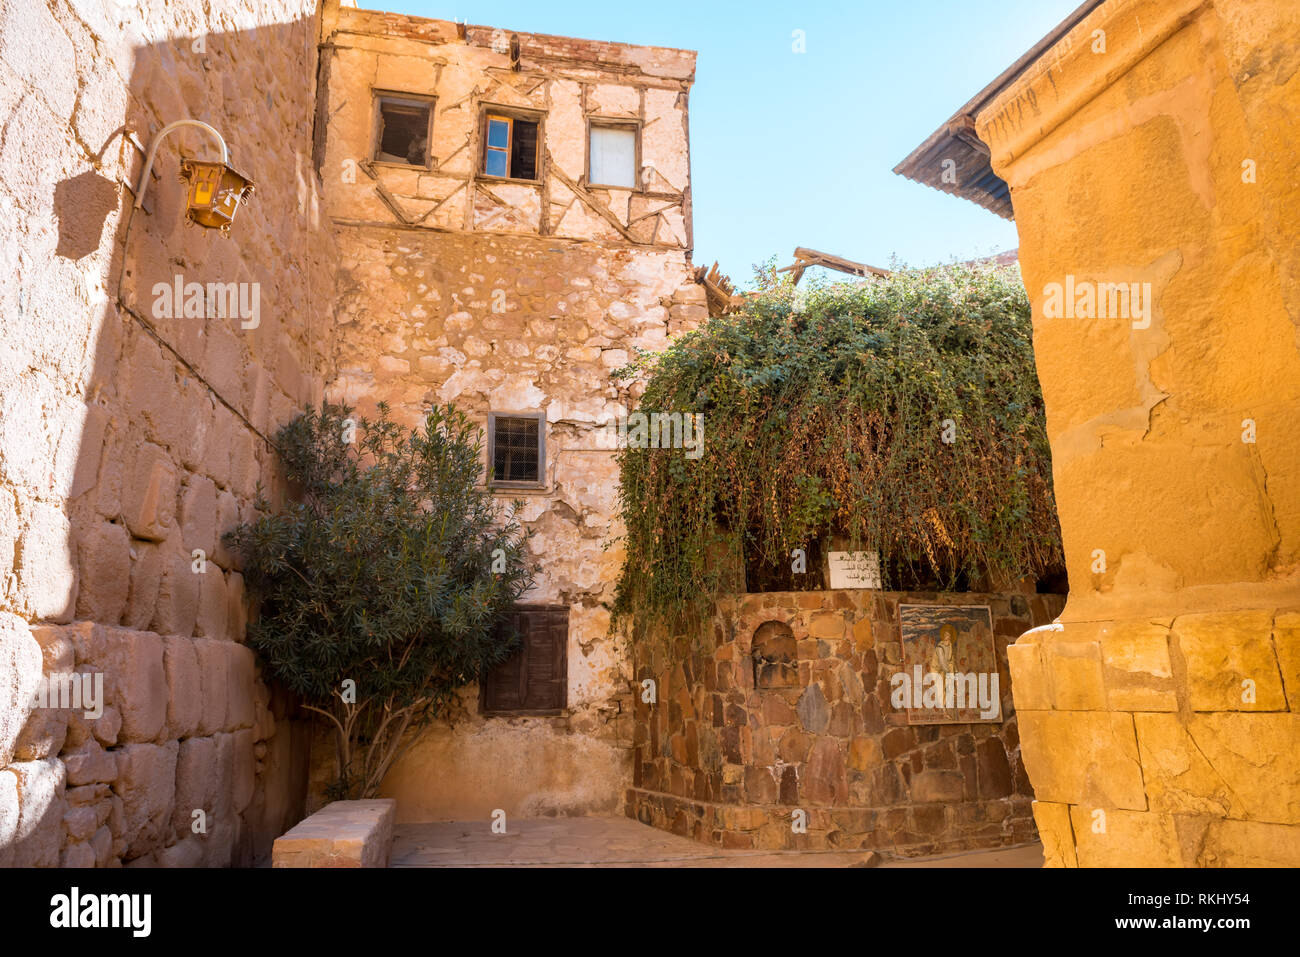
[341,834]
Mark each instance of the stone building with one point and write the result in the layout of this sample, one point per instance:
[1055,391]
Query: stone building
[513,219]
[442,213]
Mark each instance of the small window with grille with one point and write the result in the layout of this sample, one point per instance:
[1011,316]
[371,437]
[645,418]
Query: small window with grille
[517,449]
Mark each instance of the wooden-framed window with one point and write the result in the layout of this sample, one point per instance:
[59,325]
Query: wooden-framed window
[534,680]
[510,144]
[403,128]
[517,449]
[613,153]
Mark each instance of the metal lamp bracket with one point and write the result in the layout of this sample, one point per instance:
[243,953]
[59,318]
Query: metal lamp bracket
[153,149]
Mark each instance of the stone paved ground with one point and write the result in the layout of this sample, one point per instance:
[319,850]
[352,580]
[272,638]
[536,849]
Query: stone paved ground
[621,842]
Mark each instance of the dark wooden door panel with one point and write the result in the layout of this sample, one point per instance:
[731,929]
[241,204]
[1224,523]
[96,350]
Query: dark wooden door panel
[535,678]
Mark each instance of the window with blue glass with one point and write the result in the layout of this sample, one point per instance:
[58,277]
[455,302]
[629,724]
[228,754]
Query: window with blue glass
[510,146]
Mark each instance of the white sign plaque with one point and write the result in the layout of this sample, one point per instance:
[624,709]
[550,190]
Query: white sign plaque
[854,569]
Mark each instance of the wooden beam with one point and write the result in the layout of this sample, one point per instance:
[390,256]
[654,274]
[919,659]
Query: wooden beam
[806,258]
[591,203]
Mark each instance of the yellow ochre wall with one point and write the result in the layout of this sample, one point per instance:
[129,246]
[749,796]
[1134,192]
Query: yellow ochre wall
[1160,717]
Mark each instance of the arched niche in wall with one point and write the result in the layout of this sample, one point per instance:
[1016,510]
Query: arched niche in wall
[775,656]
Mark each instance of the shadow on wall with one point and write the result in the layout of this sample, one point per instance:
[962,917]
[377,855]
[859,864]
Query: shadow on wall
[124,454]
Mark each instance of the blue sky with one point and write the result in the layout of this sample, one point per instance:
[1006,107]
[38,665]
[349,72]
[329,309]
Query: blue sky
[791,149]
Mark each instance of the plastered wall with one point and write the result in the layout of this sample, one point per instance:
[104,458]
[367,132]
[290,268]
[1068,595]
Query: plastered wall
[1160,718]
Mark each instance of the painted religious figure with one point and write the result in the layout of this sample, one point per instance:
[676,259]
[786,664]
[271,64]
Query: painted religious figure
[950,671]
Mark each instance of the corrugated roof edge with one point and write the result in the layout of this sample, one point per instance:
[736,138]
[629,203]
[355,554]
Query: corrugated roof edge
[956,139]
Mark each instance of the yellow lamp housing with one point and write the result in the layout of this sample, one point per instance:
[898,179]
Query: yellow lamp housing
[216,191]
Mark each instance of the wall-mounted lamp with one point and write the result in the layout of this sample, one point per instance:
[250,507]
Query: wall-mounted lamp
[215,189]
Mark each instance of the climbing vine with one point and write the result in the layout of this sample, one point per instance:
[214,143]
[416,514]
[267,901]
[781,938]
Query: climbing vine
[902,415]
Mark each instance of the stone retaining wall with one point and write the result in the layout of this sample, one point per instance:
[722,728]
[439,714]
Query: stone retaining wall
[724,762]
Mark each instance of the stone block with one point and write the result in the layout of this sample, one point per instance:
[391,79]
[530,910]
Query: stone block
[90,764]
[1119,838]
[214,674]
[184,686]
[104,559]
[1029,686]
[47,572]
[236,608]
[993,769]
[197,784]
[1229,843]
[862,637]
[824,780]
[1226,651]
[47,727]
[78,855]
[101,842]
[80,822]
[813,710]
[1074,670]
[1082,757]
[9,524]
[21,670]
[106,729]
[1055,832]
[8,816]
[341,834]
[184,854]
[149,496]
[929,786]
[1286,644]
[135,681]
[864,753]
[244,780]
[241,686]
[146,576]
[210,621]
[199,516]
[830,625]
[40,812]
[1227,764]
[227,521]
[146,783]
[1139,677]
[177,606]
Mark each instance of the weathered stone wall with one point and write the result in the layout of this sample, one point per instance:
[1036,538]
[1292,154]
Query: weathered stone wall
[521,300]
[119,456]
[566,81]
[722,761]
[1160,720]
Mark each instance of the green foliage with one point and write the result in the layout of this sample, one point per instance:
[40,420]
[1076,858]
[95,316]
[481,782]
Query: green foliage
[824,413]
[383,573]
